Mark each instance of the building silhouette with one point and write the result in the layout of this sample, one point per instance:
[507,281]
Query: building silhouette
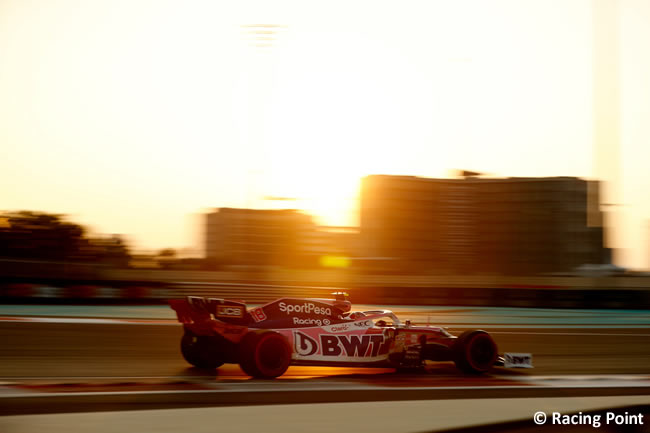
[480,225]
[256,237]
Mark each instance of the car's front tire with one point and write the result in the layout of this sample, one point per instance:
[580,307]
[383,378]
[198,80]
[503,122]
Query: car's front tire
[201,351]
[474,352]
[264,355]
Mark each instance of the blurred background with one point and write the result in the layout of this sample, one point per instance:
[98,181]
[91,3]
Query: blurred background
[468,145]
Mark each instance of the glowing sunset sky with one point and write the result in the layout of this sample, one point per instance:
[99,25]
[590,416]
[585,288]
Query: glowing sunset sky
[132,116]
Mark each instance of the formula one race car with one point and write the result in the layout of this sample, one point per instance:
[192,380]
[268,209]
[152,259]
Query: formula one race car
[265,340]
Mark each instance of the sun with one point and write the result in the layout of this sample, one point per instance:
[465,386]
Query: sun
[329,195]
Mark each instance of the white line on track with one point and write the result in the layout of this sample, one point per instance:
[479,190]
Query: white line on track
[83,320]
[49,378]
[343,387]
[217,380]
[599,334]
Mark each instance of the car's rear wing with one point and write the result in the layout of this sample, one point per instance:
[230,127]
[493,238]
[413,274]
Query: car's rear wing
[197,309]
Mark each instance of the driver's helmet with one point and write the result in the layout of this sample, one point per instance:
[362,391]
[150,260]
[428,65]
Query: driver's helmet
[341,301]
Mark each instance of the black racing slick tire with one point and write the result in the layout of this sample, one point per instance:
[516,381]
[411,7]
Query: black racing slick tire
[264,355]
[201,351]
[475,352]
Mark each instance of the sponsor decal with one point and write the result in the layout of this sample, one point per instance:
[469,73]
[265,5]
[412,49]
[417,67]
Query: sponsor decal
[518,360]
[412,338]
[339,328]
[400,343]
[304,345]
[309,321]
[229,311]
[305,308]
[258,314]
[363,324]
[357,346]
[353,345]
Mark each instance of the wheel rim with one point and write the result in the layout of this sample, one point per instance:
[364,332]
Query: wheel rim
[271,356]
[481,352]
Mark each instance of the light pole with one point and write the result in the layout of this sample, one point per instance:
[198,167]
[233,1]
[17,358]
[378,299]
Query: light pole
[262,38]
[606,112]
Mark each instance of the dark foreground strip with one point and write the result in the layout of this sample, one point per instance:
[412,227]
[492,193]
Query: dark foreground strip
[118,401]
[525,426]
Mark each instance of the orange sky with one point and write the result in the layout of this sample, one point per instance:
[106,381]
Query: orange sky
[132,116]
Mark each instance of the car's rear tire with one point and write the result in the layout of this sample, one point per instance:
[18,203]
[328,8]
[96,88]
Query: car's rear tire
[264,355]
[474,352]
[201,351]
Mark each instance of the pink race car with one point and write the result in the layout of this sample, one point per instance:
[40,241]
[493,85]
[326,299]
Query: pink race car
[265,340]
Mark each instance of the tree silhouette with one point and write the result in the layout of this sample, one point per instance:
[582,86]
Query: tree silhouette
[43,236]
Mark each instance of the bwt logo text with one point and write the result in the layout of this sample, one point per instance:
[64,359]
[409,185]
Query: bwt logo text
[341,345]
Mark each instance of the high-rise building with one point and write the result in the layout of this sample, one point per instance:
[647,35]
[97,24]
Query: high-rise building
[255,236]
[481,225]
